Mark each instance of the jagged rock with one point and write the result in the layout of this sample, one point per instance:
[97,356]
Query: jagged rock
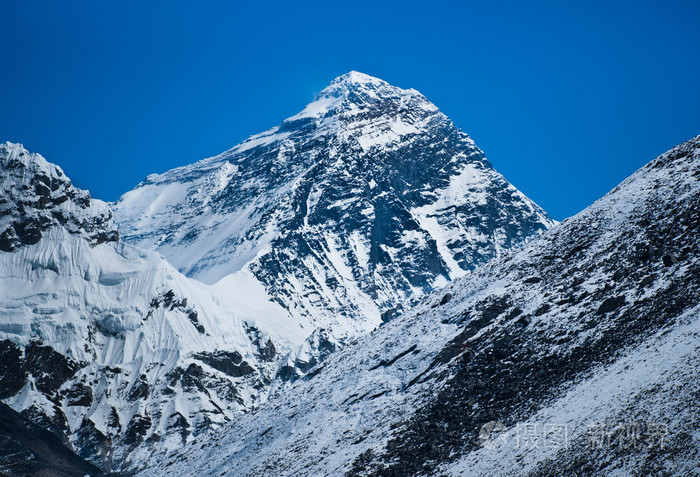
[611,304]
[79,395]
[226,362]
[36,196]
[669,260]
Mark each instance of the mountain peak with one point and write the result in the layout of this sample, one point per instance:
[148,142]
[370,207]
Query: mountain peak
[353,91]
[353,82]
[357,78]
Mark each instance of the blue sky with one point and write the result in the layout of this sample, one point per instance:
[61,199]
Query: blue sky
[565,98]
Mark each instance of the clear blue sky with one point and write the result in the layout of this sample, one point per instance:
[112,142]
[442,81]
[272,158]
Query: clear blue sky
[565,99]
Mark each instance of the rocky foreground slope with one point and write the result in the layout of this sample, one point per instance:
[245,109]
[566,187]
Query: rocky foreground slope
[345,213]
[575,355]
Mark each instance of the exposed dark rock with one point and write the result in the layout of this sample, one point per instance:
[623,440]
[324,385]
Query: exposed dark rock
[542,309]
[391,361]
[136,431]
[169,301]
[37,203]
[265,346]
[26,449]
[94,445]
[669,260]
[389,315]
[229,362]
[12,374]
[178,423]
[140,389]
[611,304]
[113,420]
[49,368]
[79,394]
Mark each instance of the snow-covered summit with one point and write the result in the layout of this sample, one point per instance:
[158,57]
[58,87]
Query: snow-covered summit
[355,77]
[354,92]
[346,212]
[353,81]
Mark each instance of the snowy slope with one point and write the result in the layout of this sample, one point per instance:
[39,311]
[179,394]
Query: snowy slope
[346,212]
[593,326]
[107,345]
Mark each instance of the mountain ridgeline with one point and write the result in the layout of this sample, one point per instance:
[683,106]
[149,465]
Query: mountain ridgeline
[345,213]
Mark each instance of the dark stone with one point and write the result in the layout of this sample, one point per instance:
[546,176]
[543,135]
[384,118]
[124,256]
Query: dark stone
[532,280]
[524,320]
[28,231]
[513,313]
[618,275]
[113,420]
[445,299]
[267,352]
[286,372]
[26,449]
[669,260]
[491,308]
[191,378]
[169,301]
[140,389]
[9,242]
[12,374]
[79,395]
[49,368]
[136,430]
[542,309]
[384,363]
[388,315]
[93,445]
[611,304]
[178,423]
[194,319]
[228,362]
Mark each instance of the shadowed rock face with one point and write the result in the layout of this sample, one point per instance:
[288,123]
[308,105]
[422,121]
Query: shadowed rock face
[587,325]
[36,196]
[26,449]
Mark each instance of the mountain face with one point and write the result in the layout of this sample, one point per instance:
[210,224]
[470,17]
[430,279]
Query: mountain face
[108,346]
[346,212]
[574,355]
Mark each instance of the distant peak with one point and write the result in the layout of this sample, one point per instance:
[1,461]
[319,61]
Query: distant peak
[353,91]
[355,77]
[353,81]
